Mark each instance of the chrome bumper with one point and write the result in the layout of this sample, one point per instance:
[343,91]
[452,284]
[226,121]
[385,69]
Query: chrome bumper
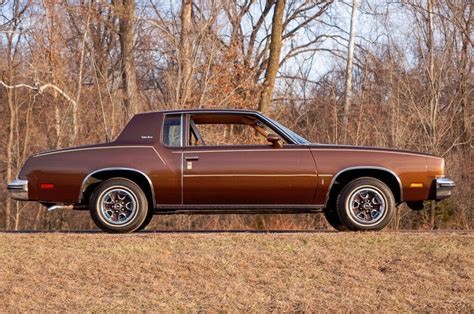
[18,189]
[443,188]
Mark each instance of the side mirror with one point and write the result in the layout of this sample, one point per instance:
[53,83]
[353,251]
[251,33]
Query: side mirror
[275,140]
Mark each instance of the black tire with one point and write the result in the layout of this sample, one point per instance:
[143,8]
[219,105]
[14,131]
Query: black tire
[365,204]
[147,221]
[332,218]
[118,205]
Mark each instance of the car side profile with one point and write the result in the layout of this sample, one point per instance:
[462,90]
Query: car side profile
[226,162]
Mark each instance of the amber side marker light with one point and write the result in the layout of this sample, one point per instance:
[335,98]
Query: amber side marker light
[416,185]
[46,186]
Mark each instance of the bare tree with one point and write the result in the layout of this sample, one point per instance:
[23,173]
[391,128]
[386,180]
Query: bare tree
[274,58]
[126,12]
[433,92]
[13,39]
[185,51]
[350,61]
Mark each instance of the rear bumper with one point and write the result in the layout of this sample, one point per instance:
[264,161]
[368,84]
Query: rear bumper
[443,188]
[18,189]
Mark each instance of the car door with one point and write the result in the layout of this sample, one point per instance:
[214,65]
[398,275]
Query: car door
[248,174]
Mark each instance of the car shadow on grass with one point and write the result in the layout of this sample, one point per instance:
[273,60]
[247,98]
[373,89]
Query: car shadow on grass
[164,231]
[443,231]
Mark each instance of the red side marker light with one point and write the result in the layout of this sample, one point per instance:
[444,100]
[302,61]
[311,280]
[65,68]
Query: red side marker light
[45,186]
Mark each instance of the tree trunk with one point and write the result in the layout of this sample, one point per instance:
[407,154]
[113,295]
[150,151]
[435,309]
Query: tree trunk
[464,77]
[75,105]
[274,58]
[185,51]
[433,96]
[350,59]
[431,75]
[129,75]
[53,59]
[11,130]
[12,110]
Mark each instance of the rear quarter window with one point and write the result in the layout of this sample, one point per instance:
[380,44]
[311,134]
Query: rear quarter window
[172,130]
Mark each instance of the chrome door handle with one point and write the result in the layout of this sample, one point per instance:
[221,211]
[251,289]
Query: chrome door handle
[191,158]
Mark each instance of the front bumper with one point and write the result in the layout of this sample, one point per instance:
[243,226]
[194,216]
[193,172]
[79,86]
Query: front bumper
[443,188]
[18,189]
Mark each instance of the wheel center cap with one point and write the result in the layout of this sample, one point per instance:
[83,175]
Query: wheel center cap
[366,206]
[117,206]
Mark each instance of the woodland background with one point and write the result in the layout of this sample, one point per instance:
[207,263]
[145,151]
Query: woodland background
[377,73]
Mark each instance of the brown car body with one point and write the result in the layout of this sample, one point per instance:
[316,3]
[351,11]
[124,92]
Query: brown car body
[298,177]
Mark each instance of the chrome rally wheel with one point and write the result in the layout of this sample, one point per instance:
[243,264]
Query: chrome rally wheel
[365,204]
[118,205]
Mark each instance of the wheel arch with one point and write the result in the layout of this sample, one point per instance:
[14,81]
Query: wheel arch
[102,174]
[346,175]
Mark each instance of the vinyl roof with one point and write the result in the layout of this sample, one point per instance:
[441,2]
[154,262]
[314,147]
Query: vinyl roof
[177,111]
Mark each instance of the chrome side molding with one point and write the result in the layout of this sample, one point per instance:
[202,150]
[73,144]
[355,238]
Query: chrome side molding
[84,183]
[363,168]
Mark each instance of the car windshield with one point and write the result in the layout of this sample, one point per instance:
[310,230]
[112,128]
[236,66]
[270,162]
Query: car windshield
[298,138]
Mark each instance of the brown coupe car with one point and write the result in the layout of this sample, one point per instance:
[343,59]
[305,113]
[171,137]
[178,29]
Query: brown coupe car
[227,161]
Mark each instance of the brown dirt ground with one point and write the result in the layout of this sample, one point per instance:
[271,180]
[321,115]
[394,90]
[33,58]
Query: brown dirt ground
[237,272]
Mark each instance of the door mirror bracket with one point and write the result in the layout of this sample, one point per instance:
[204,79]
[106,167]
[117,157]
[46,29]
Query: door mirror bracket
[275,140]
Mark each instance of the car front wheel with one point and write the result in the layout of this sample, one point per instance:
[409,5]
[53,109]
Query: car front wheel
[118,205]
[365,204]
[332,217]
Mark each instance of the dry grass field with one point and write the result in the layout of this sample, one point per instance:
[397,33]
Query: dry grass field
[237,272]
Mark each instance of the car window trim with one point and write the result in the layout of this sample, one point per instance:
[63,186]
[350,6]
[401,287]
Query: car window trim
[243,148]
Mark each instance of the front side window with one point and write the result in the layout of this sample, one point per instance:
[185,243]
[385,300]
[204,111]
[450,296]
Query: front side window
[216,130]
[298,138]
[172,130]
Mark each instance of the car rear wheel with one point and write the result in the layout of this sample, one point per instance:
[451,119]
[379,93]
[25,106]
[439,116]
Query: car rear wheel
[146,222]
[118,205]
[365,204]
